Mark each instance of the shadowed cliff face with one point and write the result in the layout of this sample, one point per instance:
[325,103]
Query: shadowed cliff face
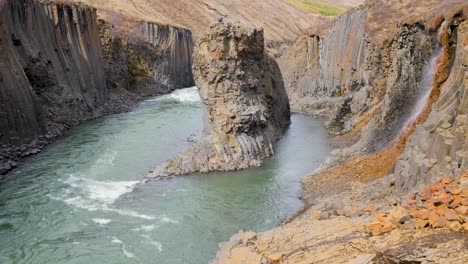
[52,74]
[176,44]
[149,59]
[245,102]
[60,66]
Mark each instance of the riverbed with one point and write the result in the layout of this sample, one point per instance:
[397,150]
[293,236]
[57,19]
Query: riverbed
[83,200]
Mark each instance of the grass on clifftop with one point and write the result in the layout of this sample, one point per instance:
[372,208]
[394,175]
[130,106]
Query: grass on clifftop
[322,7]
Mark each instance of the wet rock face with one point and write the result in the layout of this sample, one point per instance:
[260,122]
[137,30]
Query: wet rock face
[245,102]
[438,147]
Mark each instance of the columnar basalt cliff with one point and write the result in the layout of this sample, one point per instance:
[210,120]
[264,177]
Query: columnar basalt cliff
[440,145]
[176,44]
[61,65]
[147,58]
[246,105]
[364,77]
[391,80]
[52,75]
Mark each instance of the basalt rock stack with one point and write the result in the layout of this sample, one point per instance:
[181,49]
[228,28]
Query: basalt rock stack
[246,106]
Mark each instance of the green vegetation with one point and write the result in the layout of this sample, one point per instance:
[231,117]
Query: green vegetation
[138,70]
[323,7]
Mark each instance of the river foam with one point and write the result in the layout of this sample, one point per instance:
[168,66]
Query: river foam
[186,95]
[101,221]
[95,195]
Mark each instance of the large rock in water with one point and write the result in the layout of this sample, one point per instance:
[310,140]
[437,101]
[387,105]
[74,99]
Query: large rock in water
[246,105]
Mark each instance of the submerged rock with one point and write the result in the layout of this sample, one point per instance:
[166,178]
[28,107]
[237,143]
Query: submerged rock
[245,102]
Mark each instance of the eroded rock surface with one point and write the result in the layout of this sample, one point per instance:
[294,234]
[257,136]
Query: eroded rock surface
[245,102]
[439,146]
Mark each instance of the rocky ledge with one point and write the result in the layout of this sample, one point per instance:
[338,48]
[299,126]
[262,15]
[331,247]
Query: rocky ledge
[245,102]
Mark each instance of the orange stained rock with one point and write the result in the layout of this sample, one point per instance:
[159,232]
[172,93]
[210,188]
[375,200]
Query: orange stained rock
[374,225]
[380,217]
[462,210]
[451,215]
[396,214]
[423,214]
[439,222]
[455,191]
[382,162]
[441,209]
[446,198]
[437,187]
[420,223]
[316,213]
[446,180]
[464,201]
[275,257]
[465,226]
[454,225]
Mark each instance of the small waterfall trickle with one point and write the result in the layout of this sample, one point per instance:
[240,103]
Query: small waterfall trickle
[308,54]
[425,88]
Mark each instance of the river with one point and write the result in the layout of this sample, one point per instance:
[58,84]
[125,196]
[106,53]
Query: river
[82,199]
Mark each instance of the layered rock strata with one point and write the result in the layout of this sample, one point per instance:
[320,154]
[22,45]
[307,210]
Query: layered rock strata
[246,106]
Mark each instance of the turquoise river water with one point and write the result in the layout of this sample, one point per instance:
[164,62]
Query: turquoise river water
[82,201]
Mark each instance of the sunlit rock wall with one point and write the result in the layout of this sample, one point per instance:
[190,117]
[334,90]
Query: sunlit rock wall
[439,147]
[246,105]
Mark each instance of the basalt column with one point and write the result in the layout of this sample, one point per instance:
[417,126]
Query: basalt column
[246,105]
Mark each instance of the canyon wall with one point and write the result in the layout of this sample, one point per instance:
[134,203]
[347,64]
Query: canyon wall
[148,58]
[397,111]
[62,65]
[176,44]
[365,71]
[51,73]
[439,146]
[246,106]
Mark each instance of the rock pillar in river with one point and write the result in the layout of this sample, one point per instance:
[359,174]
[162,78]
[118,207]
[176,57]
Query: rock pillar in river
[246,105]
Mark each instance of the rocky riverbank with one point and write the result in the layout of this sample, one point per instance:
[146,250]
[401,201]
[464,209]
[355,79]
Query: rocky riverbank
[246,105]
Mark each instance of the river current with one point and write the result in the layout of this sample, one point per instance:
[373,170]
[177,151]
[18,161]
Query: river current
[82,199]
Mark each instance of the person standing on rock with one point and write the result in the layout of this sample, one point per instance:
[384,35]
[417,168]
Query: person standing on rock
[220,19]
